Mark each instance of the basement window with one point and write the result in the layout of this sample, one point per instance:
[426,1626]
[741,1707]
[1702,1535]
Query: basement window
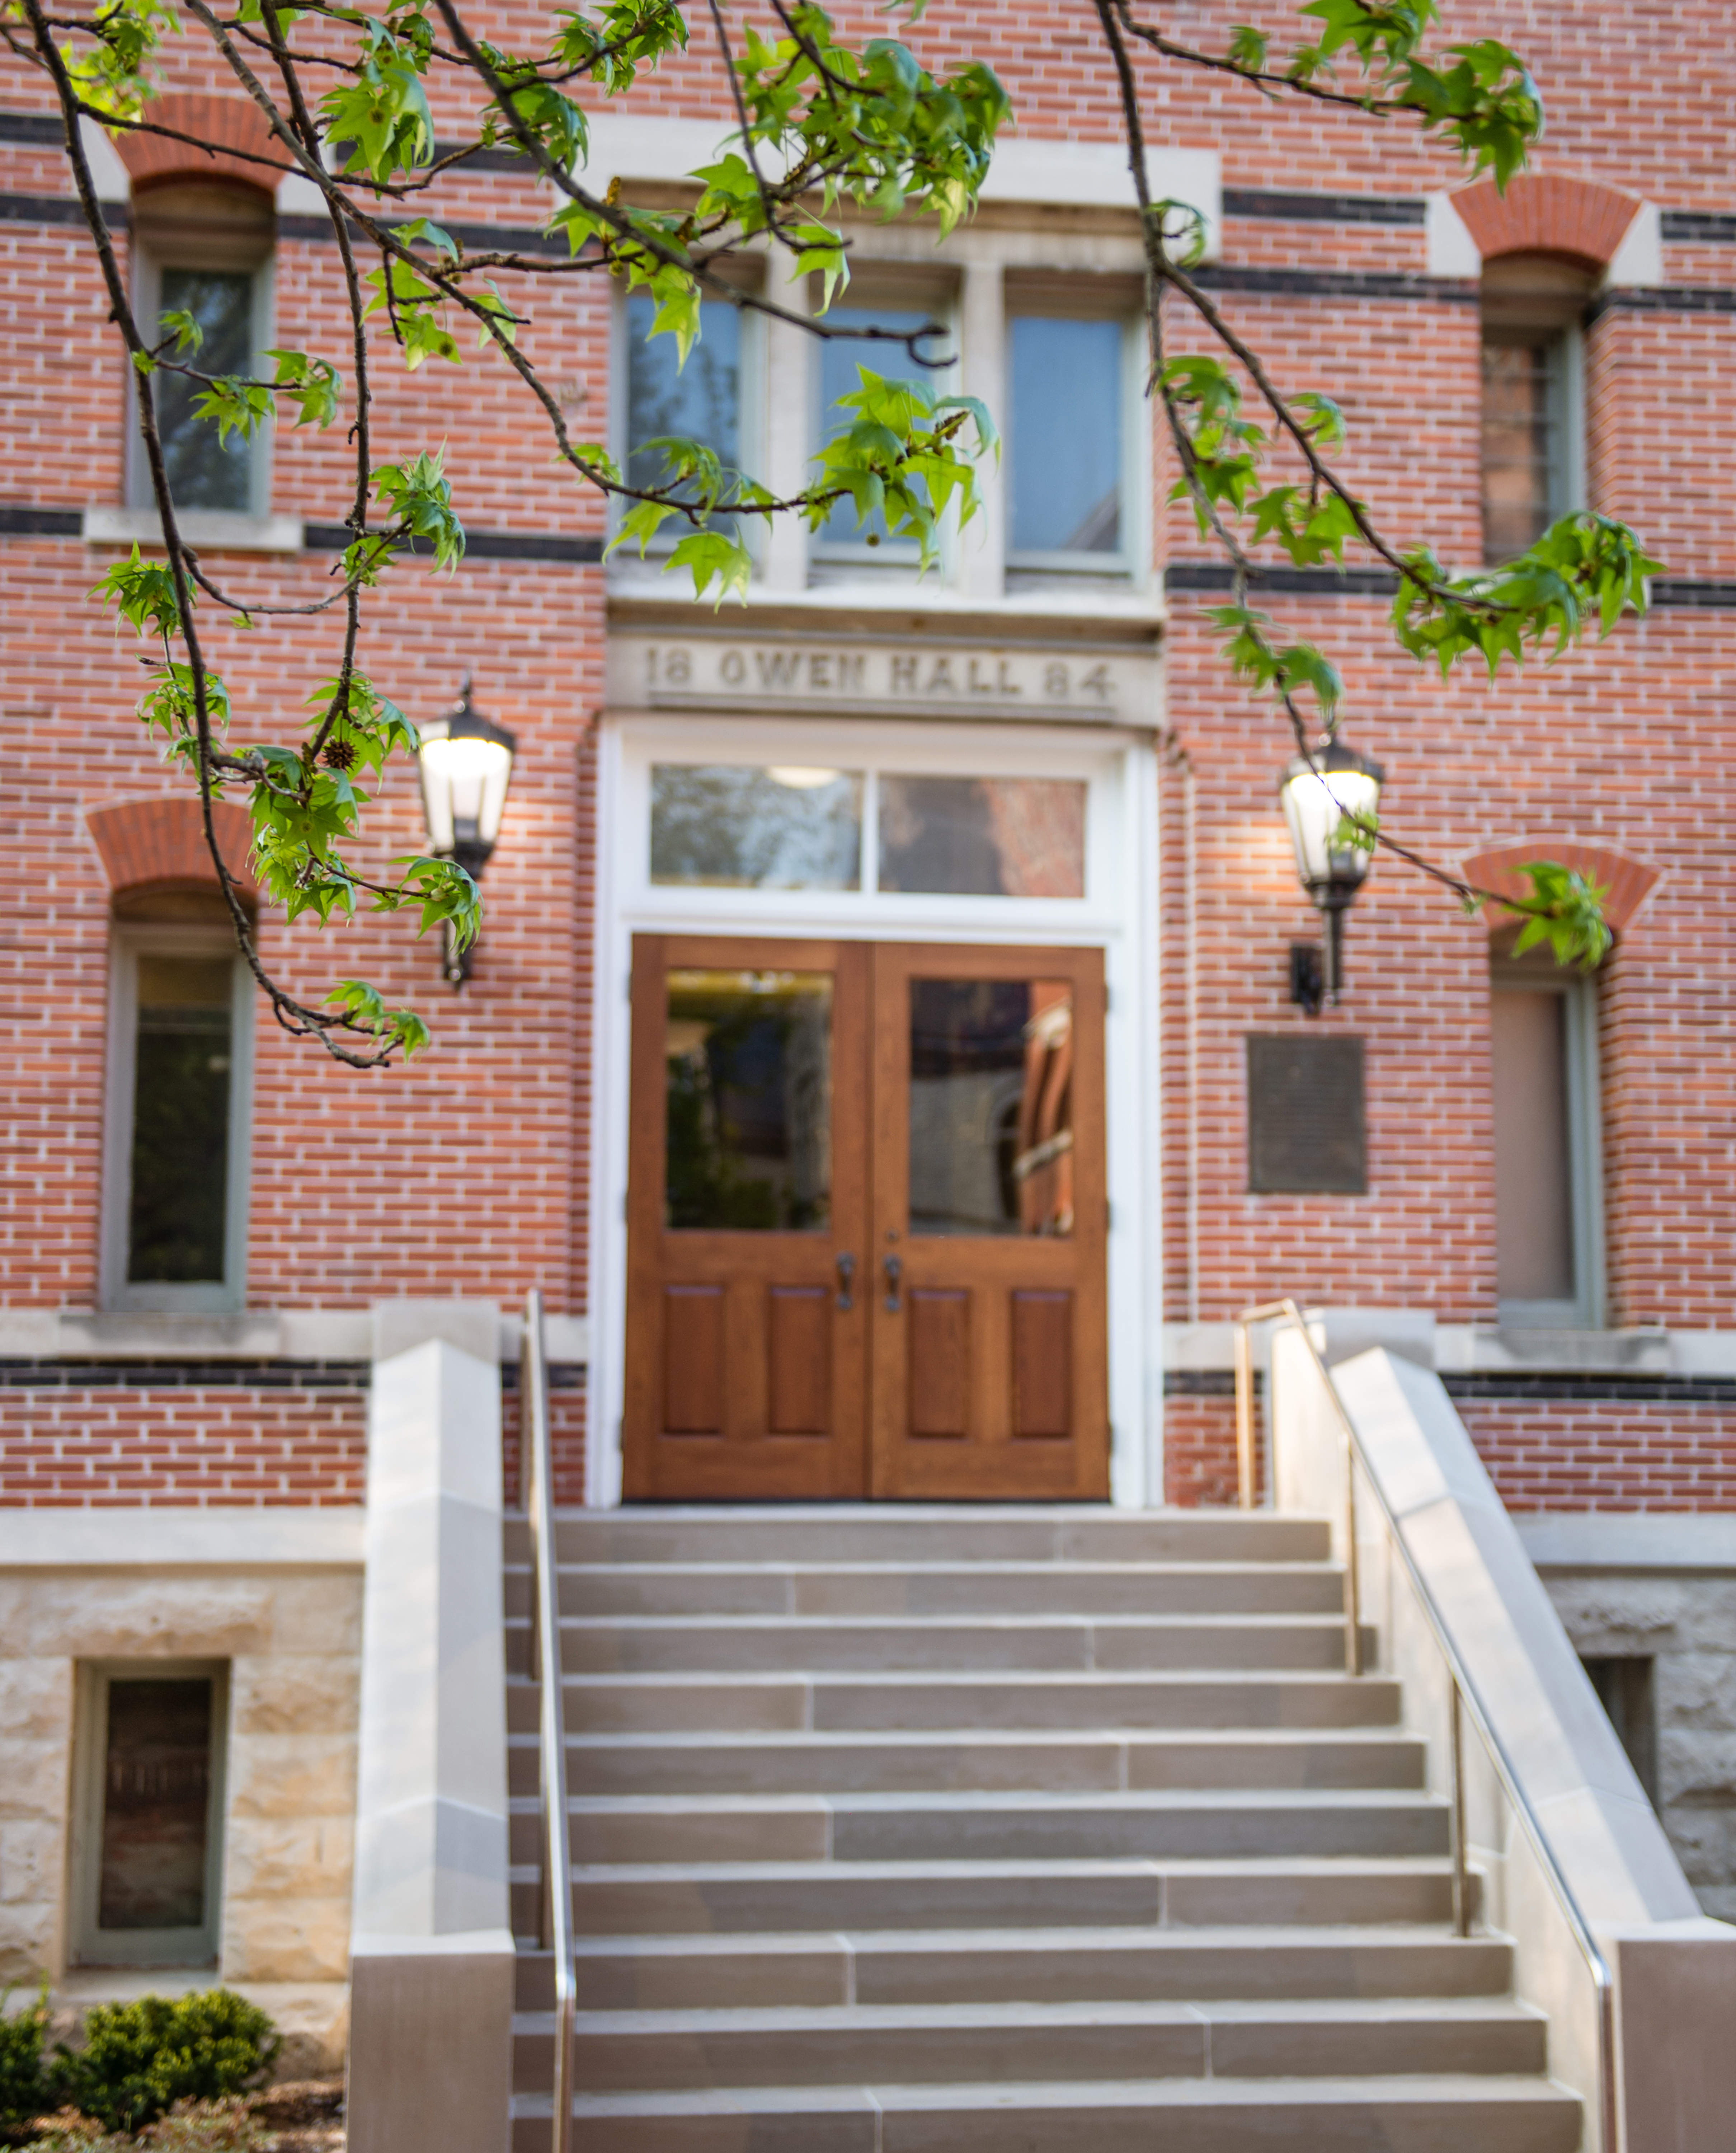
[148,1831]
[1627,1692]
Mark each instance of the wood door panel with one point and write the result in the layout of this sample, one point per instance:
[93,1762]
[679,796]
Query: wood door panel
[693,1377]
[1042,1362]
[940,1362]
[799,1359]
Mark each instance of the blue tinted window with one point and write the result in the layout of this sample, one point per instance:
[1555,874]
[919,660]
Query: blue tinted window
[1064,435]
[840,362]
[701,400]
[203,471]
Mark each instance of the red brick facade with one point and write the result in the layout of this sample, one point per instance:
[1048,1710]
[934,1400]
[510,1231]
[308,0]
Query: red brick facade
[466,1171]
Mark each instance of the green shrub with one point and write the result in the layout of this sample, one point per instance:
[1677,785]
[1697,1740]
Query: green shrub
[141,2059]
[23,2084]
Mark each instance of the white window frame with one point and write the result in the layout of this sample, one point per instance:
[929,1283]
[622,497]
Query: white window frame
[90,1945]
[1117,915]
[148,267]
[1586,1310]
[898,557]
[749,430]
[1128,563]
[130,942]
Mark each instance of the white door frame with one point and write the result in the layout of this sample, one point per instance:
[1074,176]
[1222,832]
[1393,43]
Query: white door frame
[1118,915]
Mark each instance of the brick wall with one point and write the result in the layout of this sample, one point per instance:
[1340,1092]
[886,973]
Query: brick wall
[466,1172]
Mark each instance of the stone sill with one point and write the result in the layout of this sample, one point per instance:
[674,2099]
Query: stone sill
[265,1333]
[173,1536]
[220,531]
[1472,1348]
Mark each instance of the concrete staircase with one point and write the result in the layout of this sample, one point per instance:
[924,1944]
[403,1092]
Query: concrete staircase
[996,1831]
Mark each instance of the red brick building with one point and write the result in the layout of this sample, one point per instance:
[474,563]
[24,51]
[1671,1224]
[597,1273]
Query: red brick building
[1004,840]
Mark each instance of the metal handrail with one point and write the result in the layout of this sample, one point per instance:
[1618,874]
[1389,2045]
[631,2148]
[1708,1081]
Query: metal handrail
[1465,1697]
[556,1924]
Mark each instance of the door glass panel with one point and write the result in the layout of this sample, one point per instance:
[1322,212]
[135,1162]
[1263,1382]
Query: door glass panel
[721,826]
[983,837]
[990,1106]
[748,1112]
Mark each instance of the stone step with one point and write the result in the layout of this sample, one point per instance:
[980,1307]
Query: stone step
[606,1704]
[745,1898]
[1020,1966]
[748,1644]
[919,1532]
[946,1589]
[1216,2115]
[939,2044]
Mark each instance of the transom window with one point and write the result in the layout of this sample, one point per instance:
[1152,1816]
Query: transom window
[792,827]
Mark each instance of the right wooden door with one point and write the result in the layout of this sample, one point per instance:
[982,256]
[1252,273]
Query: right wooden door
[988,1224]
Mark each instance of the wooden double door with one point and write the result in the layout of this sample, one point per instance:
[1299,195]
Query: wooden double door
[866,1222]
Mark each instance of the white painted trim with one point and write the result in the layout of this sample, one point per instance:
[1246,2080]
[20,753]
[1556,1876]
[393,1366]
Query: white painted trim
[223,530]
[1637,1540]
[1118,915]
[1638,260]
[1067,174]
[163,1537]
[1451,251]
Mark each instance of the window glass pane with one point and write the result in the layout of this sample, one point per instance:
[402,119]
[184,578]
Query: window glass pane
[1520,444]
[180,1193]
[990,1106]
[701,400]
[748,1124]
[983,837]
[1064,435]
[1533,1178]
[205,472]
[731,828]
[841,363]
[156,1802]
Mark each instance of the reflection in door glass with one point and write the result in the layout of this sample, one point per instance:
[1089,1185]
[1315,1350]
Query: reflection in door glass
[983,837]
[990,1106]
[749,1119]
[728,826]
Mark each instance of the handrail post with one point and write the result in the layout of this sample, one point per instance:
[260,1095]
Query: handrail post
[1244,1417]
[1353,1565]
[1461,1875]
[537,1477]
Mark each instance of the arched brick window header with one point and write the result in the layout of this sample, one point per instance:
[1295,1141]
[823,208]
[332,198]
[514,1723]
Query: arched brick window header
[234,123]
[159,844]
[1546,213]
[1629,882]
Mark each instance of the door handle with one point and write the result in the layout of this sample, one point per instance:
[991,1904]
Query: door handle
[893,1266]
[846,1273]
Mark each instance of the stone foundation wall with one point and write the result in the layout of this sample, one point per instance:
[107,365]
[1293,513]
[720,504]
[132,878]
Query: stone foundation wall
[292,1641]
[1686,1623]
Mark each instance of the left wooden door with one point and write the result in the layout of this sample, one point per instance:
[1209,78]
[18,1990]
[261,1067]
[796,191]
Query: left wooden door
[747,1358]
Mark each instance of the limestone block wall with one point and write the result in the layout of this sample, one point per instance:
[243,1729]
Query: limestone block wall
[1685,1621]
[292,1641]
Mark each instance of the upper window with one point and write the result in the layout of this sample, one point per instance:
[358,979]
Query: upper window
[205,249]
[700,401]
[842,359]
[1547,1190]
[176,1201]
[1533,454]
[1067,442]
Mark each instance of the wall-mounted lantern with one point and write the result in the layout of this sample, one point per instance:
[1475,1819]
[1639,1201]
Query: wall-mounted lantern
[1319,792]
[466,762]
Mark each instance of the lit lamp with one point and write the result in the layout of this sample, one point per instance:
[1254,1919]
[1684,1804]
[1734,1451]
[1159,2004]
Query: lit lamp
[1318,793]
[466,762]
